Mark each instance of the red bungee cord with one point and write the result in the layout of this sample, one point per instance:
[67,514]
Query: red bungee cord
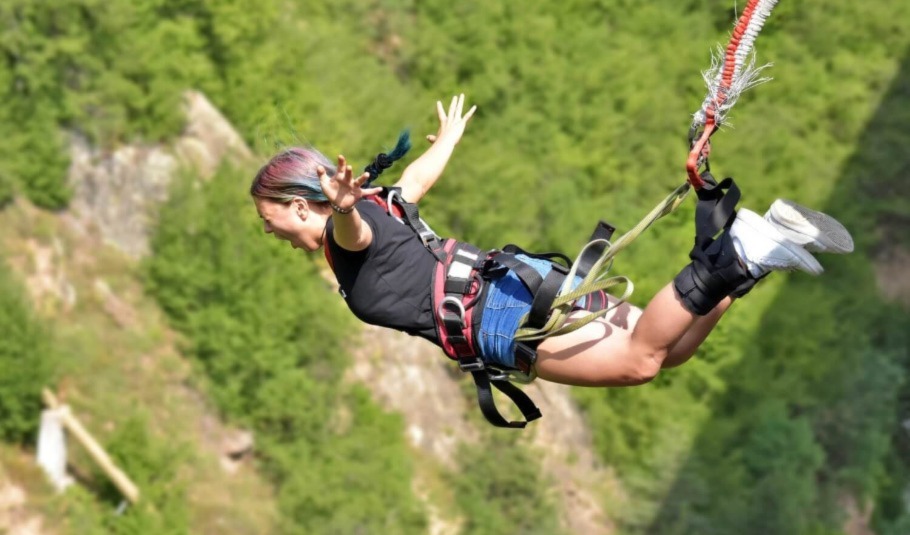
[726,80]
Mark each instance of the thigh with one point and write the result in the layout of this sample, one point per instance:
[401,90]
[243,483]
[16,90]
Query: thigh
[598,354]
[624,316]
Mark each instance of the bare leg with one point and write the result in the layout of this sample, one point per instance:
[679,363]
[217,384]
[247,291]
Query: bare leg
[692,340]
[625,316]
[630,349]
[604,354]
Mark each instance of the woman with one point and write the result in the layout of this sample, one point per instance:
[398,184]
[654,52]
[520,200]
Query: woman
[384,272]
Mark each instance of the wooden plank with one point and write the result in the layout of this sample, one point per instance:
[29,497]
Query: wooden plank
[97,453]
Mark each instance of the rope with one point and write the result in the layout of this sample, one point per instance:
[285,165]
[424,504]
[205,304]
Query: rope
[730,80]
[597,279]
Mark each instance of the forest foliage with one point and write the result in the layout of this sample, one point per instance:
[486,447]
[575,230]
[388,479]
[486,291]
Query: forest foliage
[793,403]
[25,358]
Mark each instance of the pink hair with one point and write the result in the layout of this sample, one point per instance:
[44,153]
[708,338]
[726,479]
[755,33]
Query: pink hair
[292,173]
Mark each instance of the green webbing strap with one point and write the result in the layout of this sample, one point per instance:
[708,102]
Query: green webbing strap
[596,279]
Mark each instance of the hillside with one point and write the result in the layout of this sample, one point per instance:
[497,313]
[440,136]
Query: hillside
[136,281]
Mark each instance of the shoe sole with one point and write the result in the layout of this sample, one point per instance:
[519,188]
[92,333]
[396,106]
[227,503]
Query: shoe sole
[807,262]
[817,232]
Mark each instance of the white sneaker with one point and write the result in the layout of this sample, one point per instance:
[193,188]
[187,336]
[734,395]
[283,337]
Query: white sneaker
[763,248]
[815,231]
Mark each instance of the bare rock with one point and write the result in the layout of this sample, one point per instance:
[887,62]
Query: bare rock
[236,447]
[46,279]
[14,518]
[118,192]
[411,376]
[119,310]
[566,453]
[208,138]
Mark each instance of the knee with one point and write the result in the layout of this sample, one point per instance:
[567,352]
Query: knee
[646,368]
[645,362]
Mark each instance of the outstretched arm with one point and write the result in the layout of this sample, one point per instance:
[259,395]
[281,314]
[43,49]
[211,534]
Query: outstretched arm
[419,177]
[343,191]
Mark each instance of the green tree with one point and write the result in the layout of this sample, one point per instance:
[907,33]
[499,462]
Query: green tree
[25,360]
[267,332]
[499,489]
[153,463]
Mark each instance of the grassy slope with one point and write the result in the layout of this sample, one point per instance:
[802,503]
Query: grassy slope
[120,362]
[814,180]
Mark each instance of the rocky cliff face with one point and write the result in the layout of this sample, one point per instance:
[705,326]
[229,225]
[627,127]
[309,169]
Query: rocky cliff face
[118,194]
[400,369]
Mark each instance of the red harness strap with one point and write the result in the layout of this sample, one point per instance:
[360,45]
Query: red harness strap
[457,287]
[395,211]
[328,256]
[457,291]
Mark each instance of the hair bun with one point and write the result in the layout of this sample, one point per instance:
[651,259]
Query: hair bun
[384,160]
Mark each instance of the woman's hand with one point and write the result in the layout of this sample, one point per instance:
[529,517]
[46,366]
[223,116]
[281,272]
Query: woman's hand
[451,124]
[343,190]
[423,172]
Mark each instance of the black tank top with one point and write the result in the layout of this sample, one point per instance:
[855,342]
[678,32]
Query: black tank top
[388,283]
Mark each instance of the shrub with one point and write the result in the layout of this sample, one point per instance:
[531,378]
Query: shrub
[25,357]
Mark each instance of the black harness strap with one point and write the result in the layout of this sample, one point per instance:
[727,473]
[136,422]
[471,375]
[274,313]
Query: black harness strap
[458,286]
[483,380]
[456,289]
[603,231]
[716,207]
[456,296]
[544,289]
[411,216]
[528,275]
[543,299]
[715,271]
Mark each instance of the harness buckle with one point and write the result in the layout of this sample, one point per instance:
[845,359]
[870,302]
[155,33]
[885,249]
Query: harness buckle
[427,236]
[440,311]
[471,364]
[496,374]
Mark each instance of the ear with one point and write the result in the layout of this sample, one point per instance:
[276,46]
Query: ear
[301,207]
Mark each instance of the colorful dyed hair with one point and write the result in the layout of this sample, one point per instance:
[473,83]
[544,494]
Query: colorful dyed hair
[384,160]
[292,173]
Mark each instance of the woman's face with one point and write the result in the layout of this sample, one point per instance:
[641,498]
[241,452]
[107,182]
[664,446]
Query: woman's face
[293,222]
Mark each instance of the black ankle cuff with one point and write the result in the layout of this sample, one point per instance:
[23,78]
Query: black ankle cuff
[746,286]
[715,273]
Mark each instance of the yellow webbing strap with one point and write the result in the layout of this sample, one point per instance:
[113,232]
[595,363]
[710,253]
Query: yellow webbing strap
[597,279]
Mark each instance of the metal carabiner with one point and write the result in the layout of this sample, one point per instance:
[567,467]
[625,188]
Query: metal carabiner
[390,200]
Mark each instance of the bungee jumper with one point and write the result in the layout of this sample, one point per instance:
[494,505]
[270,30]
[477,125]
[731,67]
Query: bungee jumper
[507,315]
